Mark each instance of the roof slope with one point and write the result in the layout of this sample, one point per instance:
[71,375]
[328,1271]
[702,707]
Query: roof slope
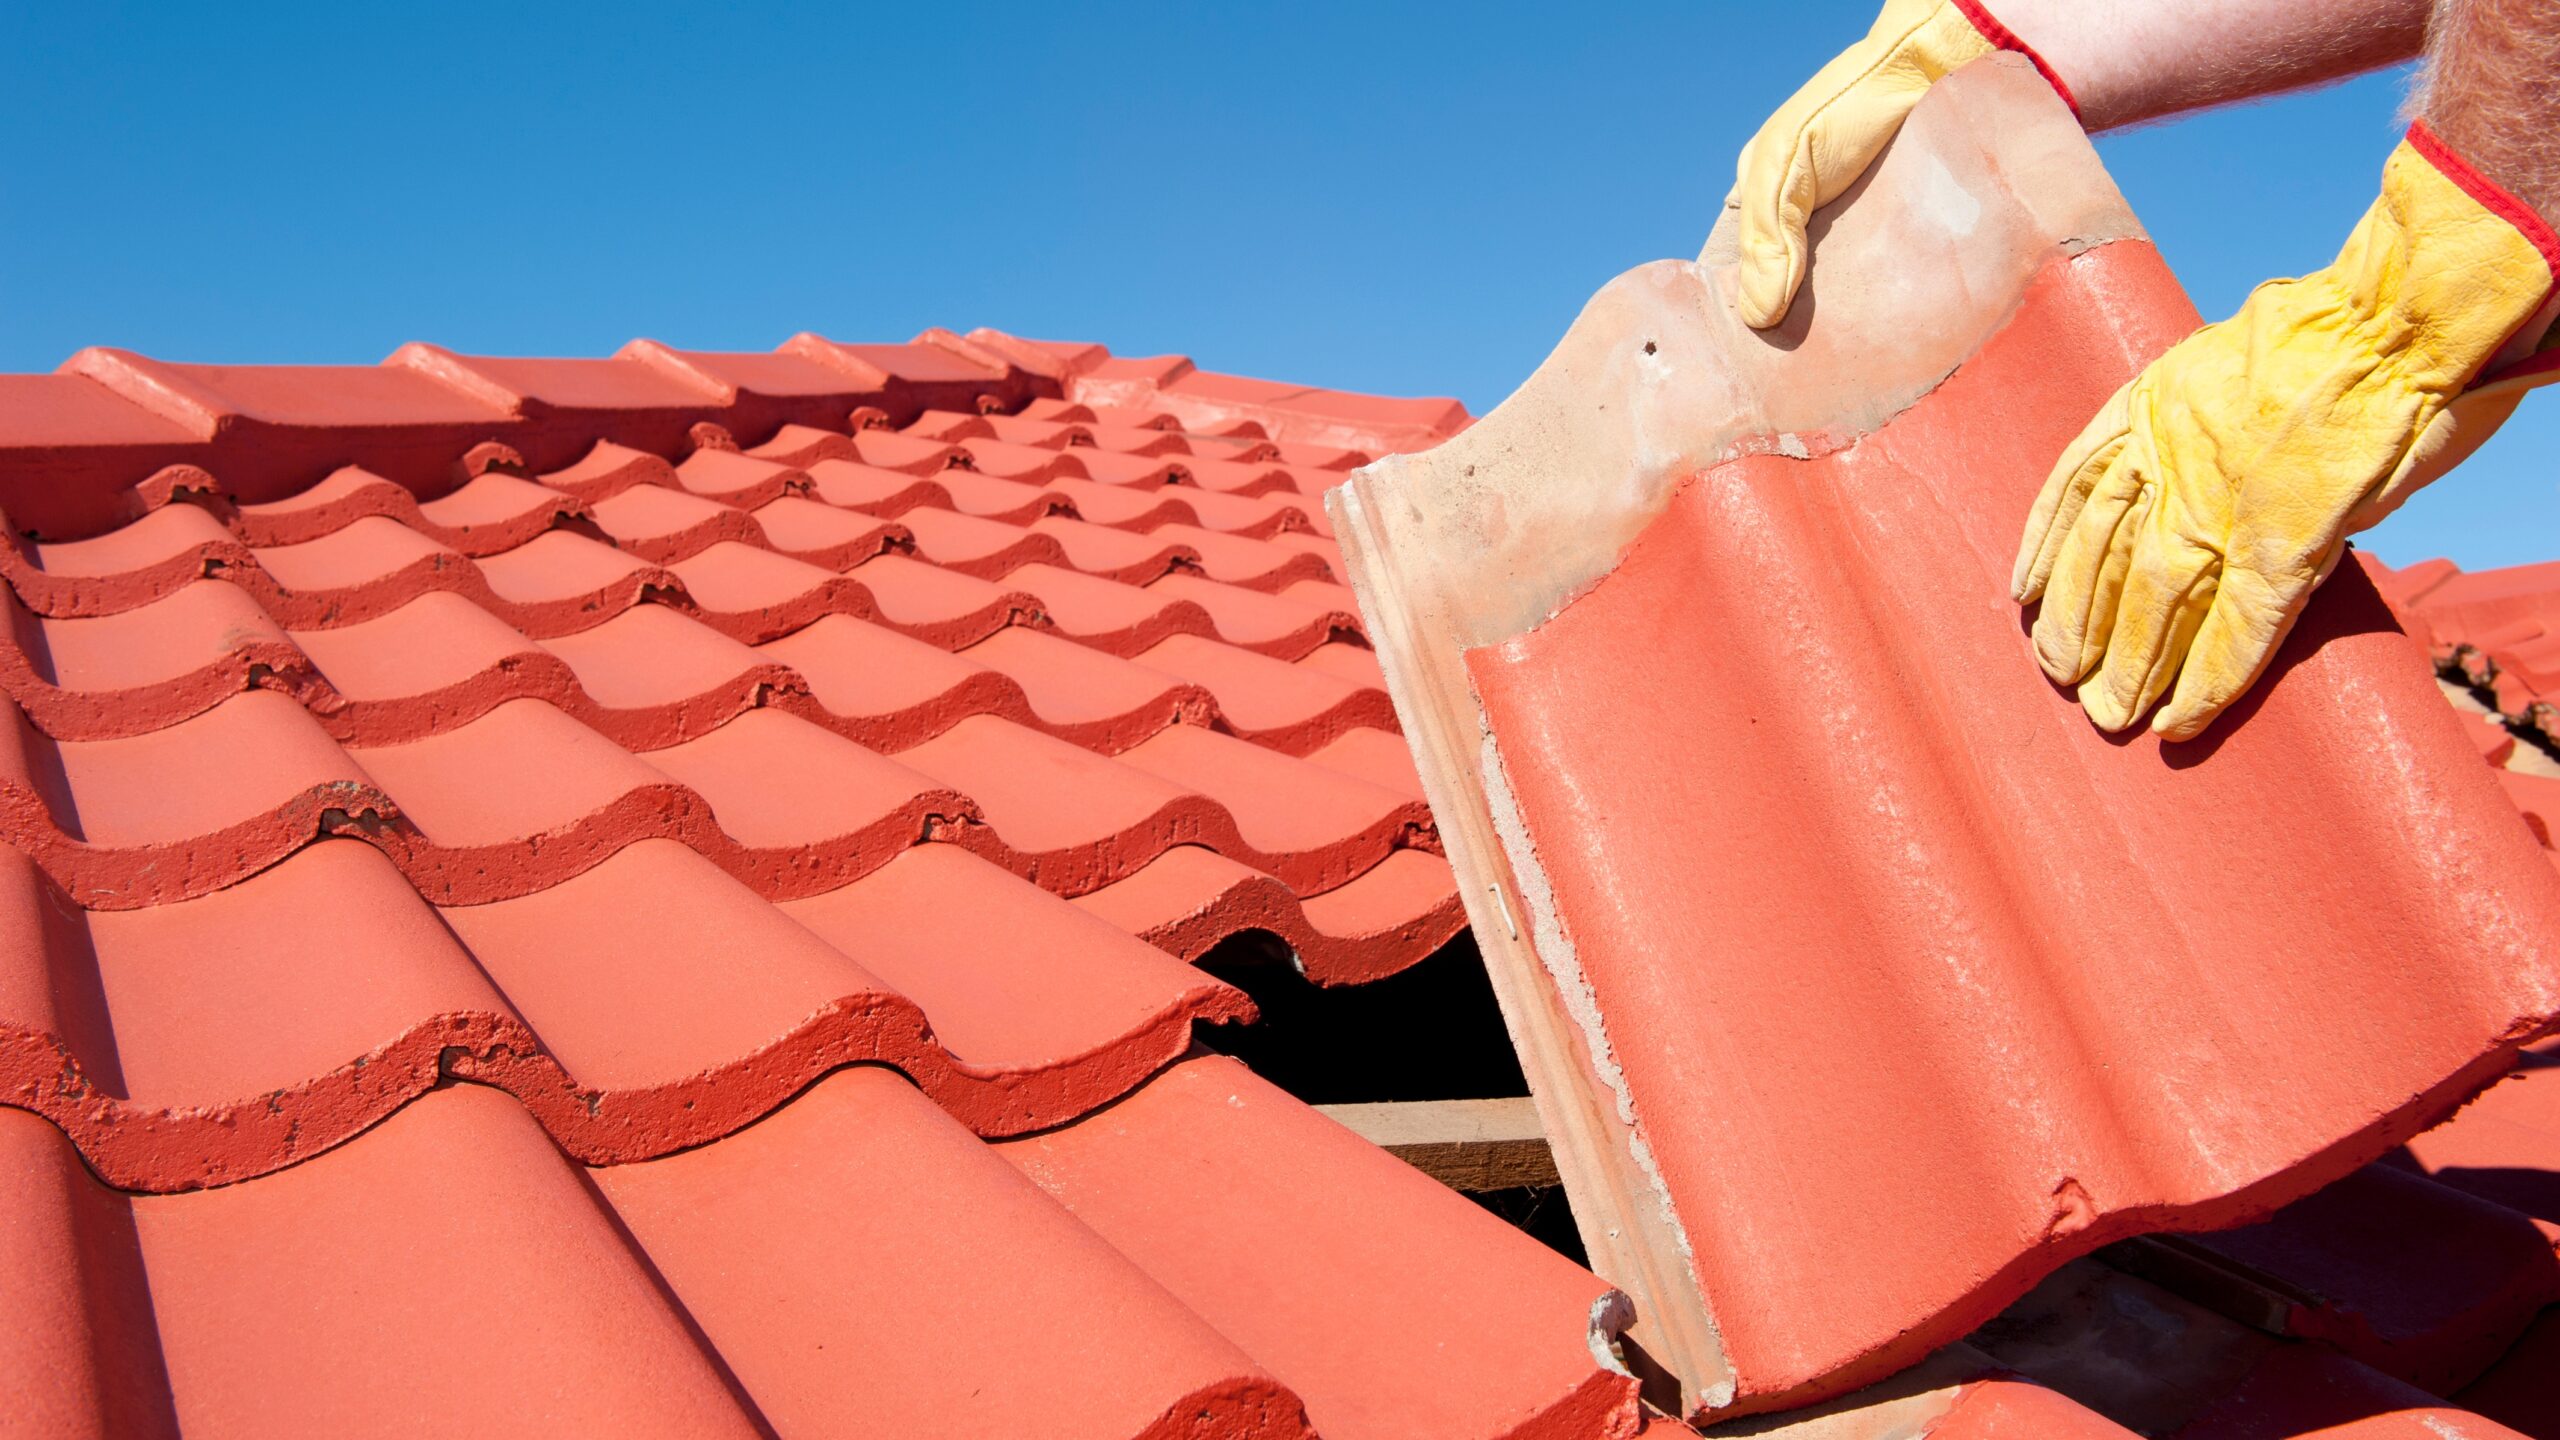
[855,739]
[1906,983]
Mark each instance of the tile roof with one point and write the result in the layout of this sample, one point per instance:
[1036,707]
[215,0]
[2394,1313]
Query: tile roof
[1898,984]
[2498,630]
[772,778]
[2416,1299]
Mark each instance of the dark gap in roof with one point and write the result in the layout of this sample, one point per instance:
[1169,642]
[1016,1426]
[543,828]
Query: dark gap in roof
[1431,1032]
[1540,1212]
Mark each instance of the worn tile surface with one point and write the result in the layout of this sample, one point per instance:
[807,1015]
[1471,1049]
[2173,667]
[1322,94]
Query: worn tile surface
[1898,984]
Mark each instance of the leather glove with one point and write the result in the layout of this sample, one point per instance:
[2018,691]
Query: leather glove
[2182,532]
[1828,132]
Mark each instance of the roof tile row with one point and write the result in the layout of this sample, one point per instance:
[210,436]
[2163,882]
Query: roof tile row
[639,710]
[1213,1261]
[761,827]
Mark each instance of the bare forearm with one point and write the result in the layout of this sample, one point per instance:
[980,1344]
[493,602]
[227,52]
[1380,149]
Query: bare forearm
[2127,61]
[2492,90]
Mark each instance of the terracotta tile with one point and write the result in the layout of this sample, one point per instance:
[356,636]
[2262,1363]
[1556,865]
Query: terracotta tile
[1290,708]
[2504,1146]
[83,1359]
[1128,470]
[1314,828]
[1323,593]
[2496,743]
[560,583]
[480,518]
[939,606]
[1390,1305]
[1136,439]
[2303,1390]
[889,450]
[1344,660]
[1139,508]
[147,668]
[2518,1391]
[871,490]
[169,1070]
[1107,615]
[362,569]
[521,799]
[255,1290]
[1241,441]
[1013,429]
[2413,1278]
[1322,547]
[652,677]
[686,1007]
[804,809]
[869,1218]
[1061,816]
[826,536]
[113,1046]
[290,395]
[663,525]
[340,497]
[677,882]
[495,511]
[1385,919]
[796,446]
[1324,457]
[1382,919]
[1235,477]
[1017,979]
[1280,625]
[183,811]
[1238,560]
[2537,798]
[124,568]
[430,665]
[1088,697]
[609,469]
[952,426]
[1381,758]
[740,480]
[753,595]
[653,971]
[2004,1409]
[887,690]
[1029,463]
[1058,411]
[992,498]
[986,549]
[1122,555]
[1897,893]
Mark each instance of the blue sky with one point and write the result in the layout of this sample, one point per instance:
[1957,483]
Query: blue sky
[1399,198]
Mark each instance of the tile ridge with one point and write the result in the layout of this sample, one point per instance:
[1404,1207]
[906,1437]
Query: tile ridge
[146,384]
[159,1149]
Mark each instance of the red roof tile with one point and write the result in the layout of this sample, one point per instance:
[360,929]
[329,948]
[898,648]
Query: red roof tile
[2413,1278]
[1908,984]
[653,741]
[2164,1366]
[2497,630]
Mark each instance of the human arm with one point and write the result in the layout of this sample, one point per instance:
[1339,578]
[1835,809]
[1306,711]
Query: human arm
[2131,61]
[2492,90]
[2179,537]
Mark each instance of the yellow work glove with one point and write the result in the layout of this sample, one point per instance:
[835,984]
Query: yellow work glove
[1827,133]
[2182,532]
